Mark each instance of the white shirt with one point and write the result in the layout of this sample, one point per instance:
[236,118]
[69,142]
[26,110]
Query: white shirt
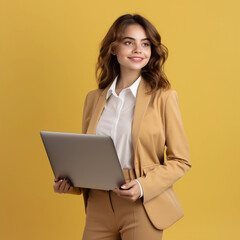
[116,122]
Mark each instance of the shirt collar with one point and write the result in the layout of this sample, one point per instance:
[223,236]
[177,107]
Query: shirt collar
[133,87]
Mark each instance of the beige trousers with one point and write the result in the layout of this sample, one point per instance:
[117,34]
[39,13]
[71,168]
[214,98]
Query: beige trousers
[110,217]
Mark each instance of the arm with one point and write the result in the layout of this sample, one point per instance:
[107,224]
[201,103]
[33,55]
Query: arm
[86,115]
[163,176]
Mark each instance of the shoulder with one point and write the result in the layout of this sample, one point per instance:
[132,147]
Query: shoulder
[161,94]
[93,94]
[164,95]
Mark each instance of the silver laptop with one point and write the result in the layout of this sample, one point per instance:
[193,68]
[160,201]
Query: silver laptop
[89,161]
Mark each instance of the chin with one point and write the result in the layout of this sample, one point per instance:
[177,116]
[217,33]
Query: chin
[135,69]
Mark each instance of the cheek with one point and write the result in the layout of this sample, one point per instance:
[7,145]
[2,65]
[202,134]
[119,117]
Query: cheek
[120,58]
[148,53]
[121,50]
[122,54]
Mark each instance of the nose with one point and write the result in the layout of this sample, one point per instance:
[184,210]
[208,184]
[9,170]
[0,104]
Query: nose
[137,48]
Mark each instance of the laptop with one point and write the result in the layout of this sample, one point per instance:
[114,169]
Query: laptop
[89,161]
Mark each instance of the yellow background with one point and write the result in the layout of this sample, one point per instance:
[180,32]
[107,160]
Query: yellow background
[48,51]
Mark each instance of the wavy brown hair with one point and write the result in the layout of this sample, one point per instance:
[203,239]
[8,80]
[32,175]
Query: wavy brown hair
[107,67]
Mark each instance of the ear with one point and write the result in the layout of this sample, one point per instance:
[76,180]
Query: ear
[113,52]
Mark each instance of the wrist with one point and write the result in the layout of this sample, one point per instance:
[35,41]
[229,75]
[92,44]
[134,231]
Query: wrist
[141,191]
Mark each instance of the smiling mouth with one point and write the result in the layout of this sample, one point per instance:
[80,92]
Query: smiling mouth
[135,59]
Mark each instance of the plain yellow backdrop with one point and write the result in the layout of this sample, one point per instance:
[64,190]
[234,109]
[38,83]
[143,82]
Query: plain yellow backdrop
[48,51]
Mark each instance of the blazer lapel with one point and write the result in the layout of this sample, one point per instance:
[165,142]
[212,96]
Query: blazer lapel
[97,112]
[142,102]
[141,105]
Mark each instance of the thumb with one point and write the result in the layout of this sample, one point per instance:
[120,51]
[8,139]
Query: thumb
[128,185]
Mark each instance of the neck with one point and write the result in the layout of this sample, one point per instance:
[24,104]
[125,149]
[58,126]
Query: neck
[127,78]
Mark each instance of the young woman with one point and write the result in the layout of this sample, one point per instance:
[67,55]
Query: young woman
[136,106]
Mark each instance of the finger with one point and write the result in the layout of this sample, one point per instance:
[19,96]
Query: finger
[57,185]
[117,191]
[129,185]
[56,179]
[126,193]
[130,188]
[131,198]
[68,181]
[62,186]
[67,187]
[70,189]
[132,192]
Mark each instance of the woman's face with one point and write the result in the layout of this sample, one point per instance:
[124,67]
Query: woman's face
[134,50]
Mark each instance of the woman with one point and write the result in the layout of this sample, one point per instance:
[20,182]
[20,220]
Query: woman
[135,105]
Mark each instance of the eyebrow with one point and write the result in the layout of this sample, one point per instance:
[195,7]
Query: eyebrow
[135,39]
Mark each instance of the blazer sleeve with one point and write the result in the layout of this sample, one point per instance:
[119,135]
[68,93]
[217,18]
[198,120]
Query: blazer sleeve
[161,177]
[86,115]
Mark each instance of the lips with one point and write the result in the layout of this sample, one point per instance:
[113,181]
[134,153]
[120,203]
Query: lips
[136,59]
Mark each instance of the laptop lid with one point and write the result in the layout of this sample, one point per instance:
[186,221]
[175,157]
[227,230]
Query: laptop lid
[89,161]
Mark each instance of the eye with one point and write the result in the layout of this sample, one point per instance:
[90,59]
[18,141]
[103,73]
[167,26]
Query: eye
[127,43]
[146,44]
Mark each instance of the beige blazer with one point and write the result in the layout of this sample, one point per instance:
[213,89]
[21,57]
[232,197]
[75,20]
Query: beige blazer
[157,122]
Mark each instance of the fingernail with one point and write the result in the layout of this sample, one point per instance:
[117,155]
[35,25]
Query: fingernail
[123,186]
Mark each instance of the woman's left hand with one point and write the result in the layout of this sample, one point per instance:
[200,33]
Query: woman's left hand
[130,191]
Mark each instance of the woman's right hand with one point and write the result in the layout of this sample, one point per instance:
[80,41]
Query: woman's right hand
[62,185]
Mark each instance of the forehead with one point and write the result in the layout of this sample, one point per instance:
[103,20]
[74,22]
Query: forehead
[134,31]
